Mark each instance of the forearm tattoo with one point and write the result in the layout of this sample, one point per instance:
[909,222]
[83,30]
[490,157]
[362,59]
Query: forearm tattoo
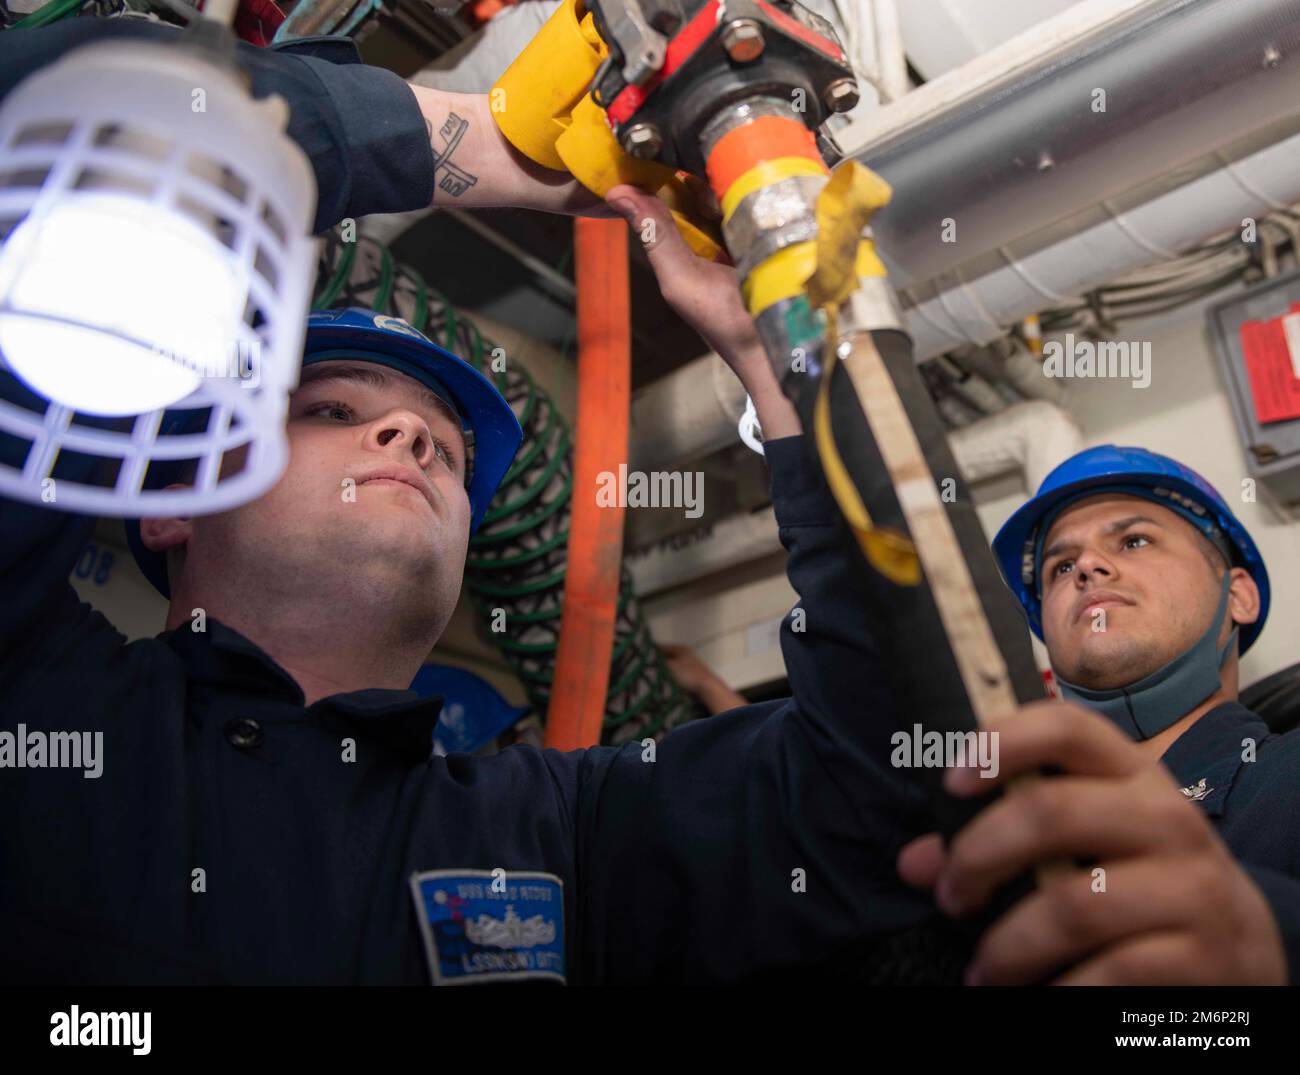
[450,177]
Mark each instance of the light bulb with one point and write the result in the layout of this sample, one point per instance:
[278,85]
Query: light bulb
[156,222]
[114,305]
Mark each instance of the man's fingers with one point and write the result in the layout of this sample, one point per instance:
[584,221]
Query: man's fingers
[1227,934]
[1064,818]
[649,218]
[1083,912]
[921,861]
[1056,734]
[1171,958]
[675,266]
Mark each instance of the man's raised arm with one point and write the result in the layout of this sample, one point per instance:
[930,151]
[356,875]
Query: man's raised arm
[475,166]
[376,143]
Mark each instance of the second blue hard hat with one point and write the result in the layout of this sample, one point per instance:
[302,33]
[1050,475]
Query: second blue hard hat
[1134,472]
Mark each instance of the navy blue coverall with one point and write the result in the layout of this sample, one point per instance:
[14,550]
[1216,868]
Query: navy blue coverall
[234,835]
[752,843]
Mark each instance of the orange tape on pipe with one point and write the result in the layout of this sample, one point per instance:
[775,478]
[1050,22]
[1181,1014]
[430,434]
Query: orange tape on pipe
[765,138]
[577,704]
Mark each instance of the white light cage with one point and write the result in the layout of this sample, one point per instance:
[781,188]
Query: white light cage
[164,127]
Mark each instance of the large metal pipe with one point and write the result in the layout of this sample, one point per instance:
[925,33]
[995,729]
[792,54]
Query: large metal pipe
[1162,90]
[686,415]
[958,307]
[1028,438]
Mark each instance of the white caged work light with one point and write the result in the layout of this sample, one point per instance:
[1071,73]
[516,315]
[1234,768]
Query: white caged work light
[155,278]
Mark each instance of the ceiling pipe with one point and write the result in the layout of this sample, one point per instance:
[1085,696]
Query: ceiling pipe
[686,415]
[1165,88]
[1040,171]
[1032,438]
[954,309]
[1028,438]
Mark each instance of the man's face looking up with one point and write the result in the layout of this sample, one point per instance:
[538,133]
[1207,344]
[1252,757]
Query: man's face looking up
[372,504]
[397,441]
[1127,586]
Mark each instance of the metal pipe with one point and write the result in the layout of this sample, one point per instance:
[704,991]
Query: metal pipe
[1032,438]
[686,415]
[973,306]
[1165,86]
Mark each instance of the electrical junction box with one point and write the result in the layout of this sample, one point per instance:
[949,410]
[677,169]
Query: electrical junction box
[1257,336]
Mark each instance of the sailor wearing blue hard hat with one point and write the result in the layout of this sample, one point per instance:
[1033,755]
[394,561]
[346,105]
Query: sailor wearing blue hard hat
[436,427]
[1142,583]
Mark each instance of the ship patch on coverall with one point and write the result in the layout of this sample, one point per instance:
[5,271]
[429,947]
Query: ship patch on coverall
[490,925]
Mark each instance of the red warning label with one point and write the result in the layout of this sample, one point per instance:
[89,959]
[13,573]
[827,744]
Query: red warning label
[1272,350]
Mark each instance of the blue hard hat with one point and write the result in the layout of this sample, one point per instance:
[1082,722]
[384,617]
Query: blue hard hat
[492,432]
[473,712]
[1135,472]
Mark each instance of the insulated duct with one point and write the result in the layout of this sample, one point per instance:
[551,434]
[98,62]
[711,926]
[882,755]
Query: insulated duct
[1030,438]
[1034,438]
[686,415]
[1146,134]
